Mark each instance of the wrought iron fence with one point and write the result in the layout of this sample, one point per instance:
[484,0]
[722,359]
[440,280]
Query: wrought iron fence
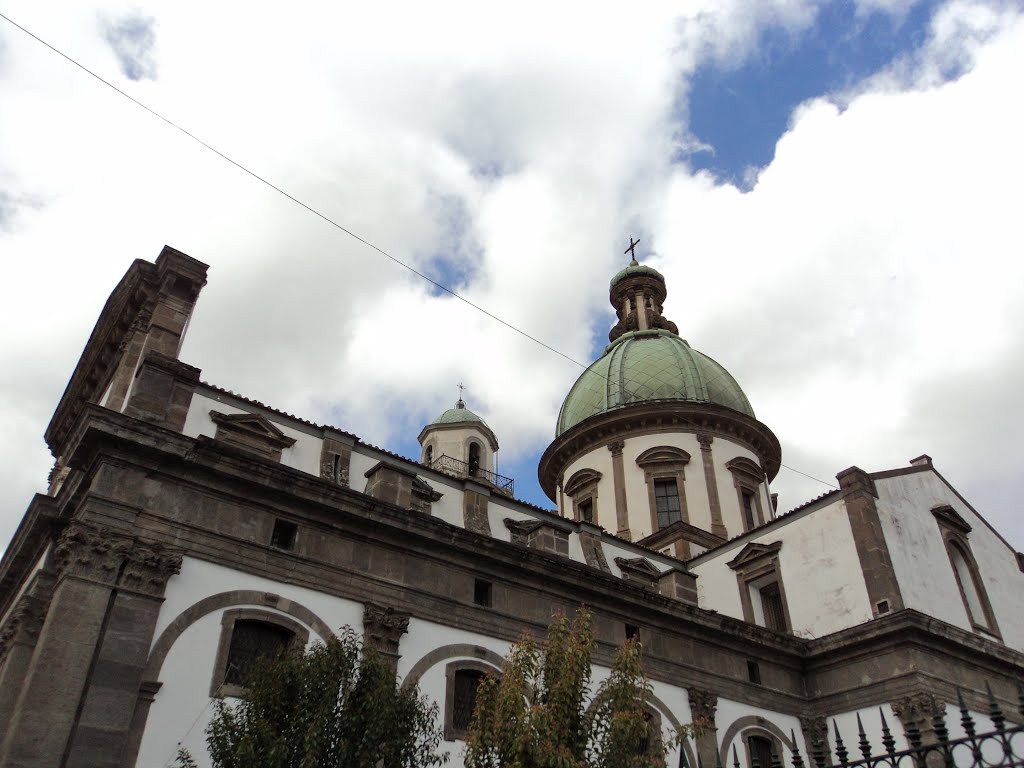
[452,466]
[1000,747]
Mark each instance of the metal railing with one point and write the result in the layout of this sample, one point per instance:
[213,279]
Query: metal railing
[457,468]
[1001,747]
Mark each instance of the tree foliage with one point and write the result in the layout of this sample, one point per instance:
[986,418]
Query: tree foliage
[334,705]
[536,714]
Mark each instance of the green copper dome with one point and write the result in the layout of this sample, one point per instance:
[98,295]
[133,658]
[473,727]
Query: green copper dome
[460,413]
[649,365]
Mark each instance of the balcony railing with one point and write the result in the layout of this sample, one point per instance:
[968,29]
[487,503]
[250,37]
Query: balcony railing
[457,468]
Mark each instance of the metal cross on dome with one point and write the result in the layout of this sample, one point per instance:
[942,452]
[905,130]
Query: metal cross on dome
[632,244]
[461,387]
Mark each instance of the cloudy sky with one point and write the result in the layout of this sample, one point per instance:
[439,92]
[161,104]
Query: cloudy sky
[831,189]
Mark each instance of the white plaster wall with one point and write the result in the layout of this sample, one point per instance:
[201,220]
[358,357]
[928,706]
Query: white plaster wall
[821,574]
[922,566]
[183,706]
[449,506]
[359,464]
[729,712]
[498,509]
[304,455]
[600,460]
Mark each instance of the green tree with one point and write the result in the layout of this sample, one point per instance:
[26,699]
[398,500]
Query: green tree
[536,715]
[334,705]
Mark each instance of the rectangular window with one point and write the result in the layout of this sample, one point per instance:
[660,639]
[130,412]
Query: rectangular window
[771,604]
[666,497]
[754,672]
[482,592]
[283,536]
[586,509]
[467,681]
[632,630]
[760,750]
[748,510]
[250,641]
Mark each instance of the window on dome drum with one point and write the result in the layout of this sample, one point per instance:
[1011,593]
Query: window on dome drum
[759,751]
[248,635]
[666,497]
[586,510]
[748,509]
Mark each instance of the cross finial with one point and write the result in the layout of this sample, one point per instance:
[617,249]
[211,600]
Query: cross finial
[461,403]
[632,245]
[461,387]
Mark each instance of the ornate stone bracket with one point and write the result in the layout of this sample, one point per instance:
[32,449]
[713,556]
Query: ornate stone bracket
[919,711]
[149,567]
[104,556]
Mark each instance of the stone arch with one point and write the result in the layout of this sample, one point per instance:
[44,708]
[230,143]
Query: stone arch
[208,605]
[757,726]
[456,650]
[661,709]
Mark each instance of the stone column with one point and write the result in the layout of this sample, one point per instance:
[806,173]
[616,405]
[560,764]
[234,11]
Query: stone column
[717,524]
[475,499]
[619,479]
[383,629]
[703,705]
[18,642]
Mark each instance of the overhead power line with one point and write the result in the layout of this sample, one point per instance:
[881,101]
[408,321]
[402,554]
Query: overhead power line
[323,216]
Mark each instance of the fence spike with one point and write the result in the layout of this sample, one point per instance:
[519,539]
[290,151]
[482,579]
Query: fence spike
[913,734]
[735,757]
[864,744]
[817,753]
[718,757]
[939,725]
[965,716]
[683,762]
[994,712]
[700,763]
[887,740]
[798,761]
[1020,697]
[776,760]
[840,747]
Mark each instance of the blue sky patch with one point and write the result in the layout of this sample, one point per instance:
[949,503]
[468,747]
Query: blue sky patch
[741,113]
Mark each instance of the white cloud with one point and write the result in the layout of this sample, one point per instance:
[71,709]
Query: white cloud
[511,151]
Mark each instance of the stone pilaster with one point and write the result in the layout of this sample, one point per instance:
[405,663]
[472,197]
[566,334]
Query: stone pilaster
[714,502]
[859,495]
[593,552]
[815,730]
[474,511]
[383,629]
[80,688]
[703,705]
[335,461]
[18,640]
[619,479]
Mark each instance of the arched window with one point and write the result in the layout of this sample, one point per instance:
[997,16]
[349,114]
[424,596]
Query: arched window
[759,751]
[429,457]
[247,635]
[474,458]
[463,681]
[955,531]
[972,595]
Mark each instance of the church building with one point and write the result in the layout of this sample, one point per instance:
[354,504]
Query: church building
[187,530]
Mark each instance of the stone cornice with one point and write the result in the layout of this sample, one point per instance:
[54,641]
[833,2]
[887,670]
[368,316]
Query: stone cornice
[33,534]
[658,416]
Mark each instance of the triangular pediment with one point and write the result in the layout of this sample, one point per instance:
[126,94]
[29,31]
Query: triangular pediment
[948,516]
[754,552]
[638,565]
[251,432]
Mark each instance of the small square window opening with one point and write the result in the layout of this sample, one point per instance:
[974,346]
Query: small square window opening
[283,536]
[482,592]
[632,630]
[754,672]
